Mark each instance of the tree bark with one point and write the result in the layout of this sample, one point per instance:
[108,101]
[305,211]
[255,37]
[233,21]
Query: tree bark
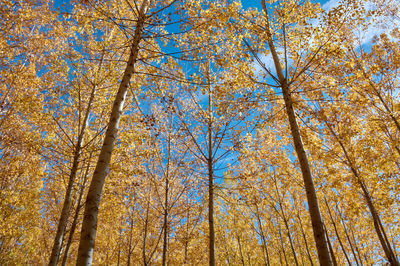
[316,220]
[282,245]
[331,250]
[305,240]
[130,243]
[264,242]
[62,224]
[336,232]
[89,225]
[347,235]
[146,223]
[75,220]
[285,221]
[210,187]
[165,224]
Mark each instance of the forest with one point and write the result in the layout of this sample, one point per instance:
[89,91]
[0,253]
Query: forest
[200,132]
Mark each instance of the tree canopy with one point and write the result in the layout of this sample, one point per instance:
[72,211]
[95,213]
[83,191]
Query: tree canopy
[194,132]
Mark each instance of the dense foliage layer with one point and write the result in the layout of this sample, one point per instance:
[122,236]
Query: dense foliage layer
[199,132]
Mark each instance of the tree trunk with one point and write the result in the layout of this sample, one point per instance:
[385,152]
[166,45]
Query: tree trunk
[285,221]
[238,240]
[264,242]
[316,220]
[305,240]
[89,225]
[76,216]
[211,208]
[165,224]
[347,235]
[282,244]
[186,237]
[62,224]
[146,223]
[336,232]
[356,246]
[331,250]
[210,163]
[130,243]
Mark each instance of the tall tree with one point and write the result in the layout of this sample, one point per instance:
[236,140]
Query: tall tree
[88,233]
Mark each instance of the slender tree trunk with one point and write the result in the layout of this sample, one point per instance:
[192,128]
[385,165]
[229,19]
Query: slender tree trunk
[380,231]
[185,251]
[305,240]
[211,210]
[89,225]
[165,225]
[187,236]
[130,244]
[210,163]
[291,241]
[75,220]
[72,231]
[316,220]
[62,224]
[267,253]
[356,246]
[290,238]
[287,230]
[280,257]
[119,255]
[146,223]
[282,246]
[227,254]
[285,221]
[347,235]
[238,240]
[264,243]
[248,258]
[240,249]
[336,232]
[331,249]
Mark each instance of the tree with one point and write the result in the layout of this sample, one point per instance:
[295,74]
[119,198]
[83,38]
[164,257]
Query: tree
[284,82]
[89,225]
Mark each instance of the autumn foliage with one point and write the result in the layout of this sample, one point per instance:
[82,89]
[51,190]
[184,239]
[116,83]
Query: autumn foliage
[194,132]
